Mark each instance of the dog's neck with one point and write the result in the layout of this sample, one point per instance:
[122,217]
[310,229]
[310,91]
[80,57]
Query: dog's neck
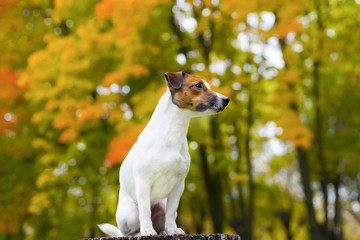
[168,121]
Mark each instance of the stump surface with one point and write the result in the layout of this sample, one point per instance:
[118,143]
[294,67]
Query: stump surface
[215,236]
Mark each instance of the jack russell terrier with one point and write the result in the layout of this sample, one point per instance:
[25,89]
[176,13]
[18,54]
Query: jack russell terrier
[152,176]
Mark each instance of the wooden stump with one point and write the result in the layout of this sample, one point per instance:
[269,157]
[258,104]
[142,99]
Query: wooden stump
[216,236]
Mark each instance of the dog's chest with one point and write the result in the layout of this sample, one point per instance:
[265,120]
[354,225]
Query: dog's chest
[168,174]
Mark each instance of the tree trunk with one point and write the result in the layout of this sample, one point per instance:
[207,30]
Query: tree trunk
[338,232]
[285,217]
[214,192]
[250,211]
[239,168]
[305,181]
[320,153]
[318,120]
[315,231]
[219,150]
[238,212]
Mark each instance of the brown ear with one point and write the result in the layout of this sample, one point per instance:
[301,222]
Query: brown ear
[175,79]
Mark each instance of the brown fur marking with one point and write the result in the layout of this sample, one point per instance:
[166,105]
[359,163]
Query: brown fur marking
[189,96]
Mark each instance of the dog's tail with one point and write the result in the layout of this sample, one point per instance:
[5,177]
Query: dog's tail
[110,230]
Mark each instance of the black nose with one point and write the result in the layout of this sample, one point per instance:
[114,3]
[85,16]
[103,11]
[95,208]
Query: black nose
[225,101]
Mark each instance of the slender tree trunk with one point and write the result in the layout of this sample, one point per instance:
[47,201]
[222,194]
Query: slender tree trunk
[250,211]
[219,150]
[318,119]
[198,215]
[319,144]
[239,185]
[285,216]
[288,233]
[235,218]
[338,232]
[93,217]
[305,181]
[214,192]
[315,231]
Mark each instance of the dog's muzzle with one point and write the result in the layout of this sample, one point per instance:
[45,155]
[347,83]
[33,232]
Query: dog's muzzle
[216,104]
[225,101]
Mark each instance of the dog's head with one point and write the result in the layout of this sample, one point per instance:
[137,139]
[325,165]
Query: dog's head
[192,93]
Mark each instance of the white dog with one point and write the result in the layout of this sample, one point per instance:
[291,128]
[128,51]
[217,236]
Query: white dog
[153,173]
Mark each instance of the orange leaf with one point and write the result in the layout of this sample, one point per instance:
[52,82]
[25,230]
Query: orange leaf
[104,9]
[121,145]
[286,26]
[68,135]
[62,121]
[90,112]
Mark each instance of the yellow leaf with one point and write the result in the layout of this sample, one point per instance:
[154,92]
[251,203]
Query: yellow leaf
[114,77]
[290,76]
[239,177]
[39,202]
[39,143]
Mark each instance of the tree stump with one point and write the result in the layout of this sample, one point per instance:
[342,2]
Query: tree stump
[216,236]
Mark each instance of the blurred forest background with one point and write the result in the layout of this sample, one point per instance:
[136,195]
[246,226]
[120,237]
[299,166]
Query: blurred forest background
[80,79]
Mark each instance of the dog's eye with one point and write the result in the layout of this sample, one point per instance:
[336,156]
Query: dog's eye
[198,85]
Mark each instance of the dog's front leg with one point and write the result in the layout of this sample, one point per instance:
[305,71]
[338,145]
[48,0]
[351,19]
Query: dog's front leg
[171,209]
[144,205]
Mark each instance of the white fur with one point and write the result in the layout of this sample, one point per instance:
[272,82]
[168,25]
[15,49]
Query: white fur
[153,173]
[110,230]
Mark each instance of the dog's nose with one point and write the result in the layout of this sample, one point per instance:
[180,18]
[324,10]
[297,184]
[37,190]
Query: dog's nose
[225,100]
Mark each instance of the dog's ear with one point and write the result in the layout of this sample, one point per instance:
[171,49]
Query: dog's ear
[175,79]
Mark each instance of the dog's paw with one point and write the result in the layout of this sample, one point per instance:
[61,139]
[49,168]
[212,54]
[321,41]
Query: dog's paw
[148,232]
[163,233]
[174,231]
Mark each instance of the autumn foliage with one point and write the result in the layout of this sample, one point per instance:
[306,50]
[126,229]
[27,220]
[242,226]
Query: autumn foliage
[120,146]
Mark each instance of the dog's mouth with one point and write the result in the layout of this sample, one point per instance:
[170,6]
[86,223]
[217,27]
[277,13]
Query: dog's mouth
[220,109]
[216,104]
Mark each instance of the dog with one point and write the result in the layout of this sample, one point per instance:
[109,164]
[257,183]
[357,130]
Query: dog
[152,176]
